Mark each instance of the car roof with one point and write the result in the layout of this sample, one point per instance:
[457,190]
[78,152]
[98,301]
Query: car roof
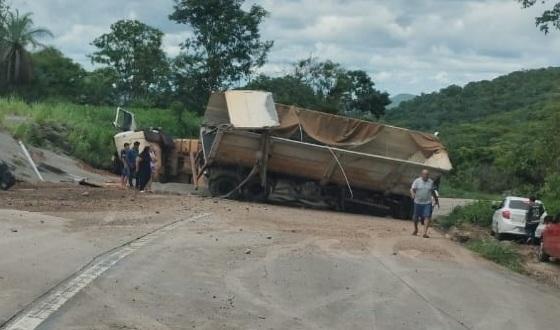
[514,198]
[523,199]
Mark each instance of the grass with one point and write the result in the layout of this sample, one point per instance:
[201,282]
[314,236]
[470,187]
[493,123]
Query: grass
[82,131]
[501,253]
[475,217]
[449,191]
[478,213]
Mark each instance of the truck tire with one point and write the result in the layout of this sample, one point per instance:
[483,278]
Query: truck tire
[7,180]
[253,191]
[222,183]
[403,210]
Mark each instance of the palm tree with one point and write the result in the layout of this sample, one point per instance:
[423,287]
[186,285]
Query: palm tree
[18,34]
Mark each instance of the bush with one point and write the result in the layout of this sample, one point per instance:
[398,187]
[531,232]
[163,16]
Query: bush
[501,253]
[551,194]
[478,213]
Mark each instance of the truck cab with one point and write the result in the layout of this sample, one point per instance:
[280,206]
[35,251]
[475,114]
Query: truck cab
[174,157]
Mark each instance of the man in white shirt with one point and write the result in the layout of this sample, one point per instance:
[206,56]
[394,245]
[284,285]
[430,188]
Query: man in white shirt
[422,191]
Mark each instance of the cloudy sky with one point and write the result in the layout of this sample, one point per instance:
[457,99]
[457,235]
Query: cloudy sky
[408,46]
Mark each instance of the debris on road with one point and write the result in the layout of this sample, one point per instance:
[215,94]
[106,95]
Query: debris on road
[458,235]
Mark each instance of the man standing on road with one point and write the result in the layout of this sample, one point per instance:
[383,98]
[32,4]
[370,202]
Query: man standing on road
[125,172]
[131,157]
[422,191]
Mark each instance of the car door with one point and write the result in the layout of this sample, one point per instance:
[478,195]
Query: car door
[552,244]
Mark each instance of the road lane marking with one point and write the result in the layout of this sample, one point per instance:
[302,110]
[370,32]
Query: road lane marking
[42,308]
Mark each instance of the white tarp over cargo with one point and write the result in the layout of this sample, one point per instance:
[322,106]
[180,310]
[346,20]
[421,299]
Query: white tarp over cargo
[245,110]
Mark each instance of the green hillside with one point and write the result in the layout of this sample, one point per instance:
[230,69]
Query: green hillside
[502,135]
[477,100]
[400,98]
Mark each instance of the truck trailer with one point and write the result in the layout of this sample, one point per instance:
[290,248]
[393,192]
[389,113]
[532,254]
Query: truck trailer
[253,148]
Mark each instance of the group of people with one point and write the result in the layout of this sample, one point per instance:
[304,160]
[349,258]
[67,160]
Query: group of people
[138,167]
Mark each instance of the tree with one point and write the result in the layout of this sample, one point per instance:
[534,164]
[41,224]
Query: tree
[342,91]
[19,34]
[549,17]
[321,76]
[287,90]
[358,95]
[225,47]
[99,87]
[134,51]
[54,75]
[4,8]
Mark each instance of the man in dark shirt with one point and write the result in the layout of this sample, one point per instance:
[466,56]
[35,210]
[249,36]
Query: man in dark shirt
[532,218]
[131,157]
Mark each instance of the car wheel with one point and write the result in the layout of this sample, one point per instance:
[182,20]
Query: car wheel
[499,236]
[543,257]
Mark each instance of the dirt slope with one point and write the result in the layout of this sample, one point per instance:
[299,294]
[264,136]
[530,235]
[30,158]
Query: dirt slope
[54,167]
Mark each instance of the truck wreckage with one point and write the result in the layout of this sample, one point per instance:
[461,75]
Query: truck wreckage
[253,147]
[175,158]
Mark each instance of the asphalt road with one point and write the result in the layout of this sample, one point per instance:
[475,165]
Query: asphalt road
[228,265]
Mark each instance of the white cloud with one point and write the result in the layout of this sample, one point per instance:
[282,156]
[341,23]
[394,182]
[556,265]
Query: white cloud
[407,45]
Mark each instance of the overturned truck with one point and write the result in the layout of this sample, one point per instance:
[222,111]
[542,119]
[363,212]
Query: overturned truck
[253,147]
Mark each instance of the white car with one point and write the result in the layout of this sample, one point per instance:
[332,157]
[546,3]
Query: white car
[509,217]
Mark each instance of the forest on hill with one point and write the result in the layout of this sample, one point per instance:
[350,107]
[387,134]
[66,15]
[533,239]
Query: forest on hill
[502,135]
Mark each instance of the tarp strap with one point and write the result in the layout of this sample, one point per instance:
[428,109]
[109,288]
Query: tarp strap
[252,174]
[343,172]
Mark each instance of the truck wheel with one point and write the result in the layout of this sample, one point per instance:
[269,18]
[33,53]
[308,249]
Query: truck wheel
[543,257]
[403,210]
[223,183]
[253,191]
[6,182]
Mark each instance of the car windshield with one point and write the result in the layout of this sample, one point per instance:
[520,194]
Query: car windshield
[518,205]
